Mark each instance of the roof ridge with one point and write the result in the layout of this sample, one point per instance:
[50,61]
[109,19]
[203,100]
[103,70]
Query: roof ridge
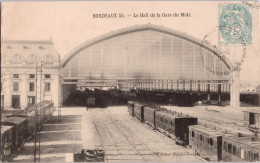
[28,42]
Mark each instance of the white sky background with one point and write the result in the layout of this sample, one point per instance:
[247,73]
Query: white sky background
[71,23]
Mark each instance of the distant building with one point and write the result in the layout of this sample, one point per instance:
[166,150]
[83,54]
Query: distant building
[18,73]
[249,87]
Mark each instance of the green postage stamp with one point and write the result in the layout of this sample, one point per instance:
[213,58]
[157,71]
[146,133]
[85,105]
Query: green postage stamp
[235,24]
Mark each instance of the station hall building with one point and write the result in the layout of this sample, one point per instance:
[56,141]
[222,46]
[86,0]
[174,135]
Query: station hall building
[145,57]
[149,57]
[29,69]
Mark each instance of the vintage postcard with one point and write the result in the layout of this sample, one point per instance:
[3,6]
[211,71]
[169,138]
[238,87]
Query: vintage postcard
[130,81]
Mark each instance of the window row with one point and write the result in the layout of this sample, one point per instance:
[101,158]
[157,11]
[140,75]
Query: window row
[202,138]
[31,87]
[32,76]
[31,100]
[240,152]
[32,58]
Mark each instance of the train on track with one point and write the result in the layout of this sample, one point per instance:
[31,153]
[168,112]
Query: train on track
[19,126]
[210,143]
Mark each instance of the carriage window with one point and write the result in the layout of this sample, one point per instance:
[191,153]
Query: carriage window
[246,155]
[161,119]
[201,138]
[242,153]
[225,146]
[6,138]
[250,156]
[230,148]
[210,141]
[192,133]
[234,150]
[256,157]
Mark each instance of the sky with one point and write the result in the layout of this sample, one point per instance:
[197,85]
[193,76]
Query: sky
[70,24]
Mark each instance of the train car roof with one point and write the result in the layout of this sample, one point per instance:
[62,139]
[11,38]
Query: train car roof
[153,108]
[17,115]
[253,110]
[5,128]
[243,140]
[174,115]
[13,120]
[32,108]
[136,103]
[206,130]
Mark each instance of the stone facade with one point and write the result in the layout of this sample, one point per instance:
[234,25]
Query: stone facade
[29,69]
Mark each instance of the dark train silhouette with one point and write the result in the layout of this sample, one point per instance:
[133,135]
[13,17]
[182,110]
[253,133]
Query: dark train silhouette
[104,98]
[212,144]
[17,127]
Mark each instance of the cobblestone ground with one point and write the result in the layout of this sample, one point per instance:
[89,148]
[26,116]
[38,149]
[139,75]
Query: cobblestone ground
[122,137]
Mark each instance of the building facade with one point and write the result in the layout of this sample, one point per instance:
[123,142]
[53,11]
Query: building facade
[29,73]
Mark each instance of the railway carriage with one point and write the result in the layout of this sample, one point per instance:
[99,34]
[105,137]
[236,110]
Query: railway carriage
[175,123]
[31,122]
[130,107]
[206,141]
[20,128]
[149,115]
[48,109]
[252,119]
[240,148]
[44,112]
[164,121]
[6,137]
[139,111]
[51,108]
[30,116]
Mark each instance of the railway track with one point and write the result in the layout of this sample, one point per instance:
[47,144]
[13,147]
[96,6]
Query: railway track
[123,138]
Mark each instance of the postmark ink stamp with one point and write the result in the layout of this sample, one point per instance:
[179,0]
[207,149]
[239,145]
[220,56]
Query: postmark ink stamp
[235,23]
[252,4]
[232,56]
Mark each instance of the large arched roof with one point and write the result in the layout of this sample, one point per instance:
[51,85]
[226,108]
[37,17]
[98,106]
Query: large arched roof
[138,28]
